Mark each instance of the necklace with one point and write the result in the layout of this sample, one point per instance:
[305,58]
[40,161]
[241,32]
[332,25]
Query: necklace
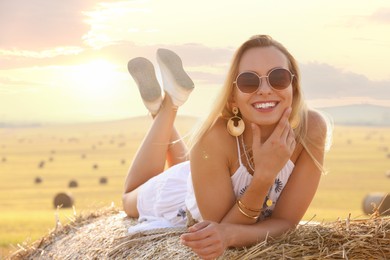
[268,202]
[246,155]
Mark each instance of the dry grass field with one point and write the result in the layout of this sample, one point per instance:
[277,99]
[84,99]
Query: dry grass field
[356,164]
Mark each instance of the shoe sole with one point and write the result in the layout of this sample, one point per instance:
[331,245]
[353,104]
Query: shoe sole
[143,73]
[170,61]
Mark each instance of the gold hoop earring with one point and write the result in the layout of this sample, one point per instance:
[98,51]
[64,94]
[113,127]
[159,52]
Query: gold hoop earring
[235,124]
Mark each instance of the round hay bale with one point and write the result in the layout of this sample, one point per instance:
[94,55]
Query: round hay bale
[73,184]
[38,180]
[376,201]
[123,161]
[95,166]
[103,235]
[41,164]
[103,180]
[63,200]
[4,159]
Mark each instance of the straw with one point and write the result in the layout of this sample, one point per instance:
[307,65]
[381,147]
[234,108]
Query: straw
[103,235]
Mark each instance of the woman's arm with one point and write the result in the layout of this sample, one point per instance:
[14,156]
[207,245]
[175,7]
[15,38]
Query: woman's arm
[211,163]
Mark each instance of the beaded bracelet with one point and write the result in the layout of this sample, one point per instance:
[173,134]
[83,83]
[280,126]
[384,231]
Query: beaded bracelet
[244,213]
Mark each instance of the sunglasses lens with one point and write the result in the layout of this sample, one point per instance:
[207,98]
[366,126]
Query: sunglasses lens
[248,82]
[279,78]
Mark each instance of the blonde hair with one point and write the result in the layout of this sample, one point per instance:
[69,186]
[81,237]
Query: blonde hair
[222,108]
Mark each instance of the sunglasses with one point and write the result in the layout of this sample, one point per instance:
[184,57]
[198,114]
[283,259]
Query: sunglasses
[249,82]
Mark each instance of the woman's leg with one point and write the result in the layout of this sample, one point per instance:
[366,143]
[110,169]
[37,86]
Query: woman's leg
[159,146]
[162,143]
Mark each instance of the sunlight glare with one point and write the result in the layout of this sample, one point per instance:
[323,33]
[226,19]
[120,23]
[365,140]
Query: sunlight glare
[94,80]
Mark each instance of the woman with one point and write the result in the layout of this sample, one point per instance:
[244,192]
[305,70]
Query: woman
[254,165]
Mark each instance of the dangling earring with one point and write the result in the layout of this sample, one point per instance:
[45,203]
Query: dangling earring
[235,125]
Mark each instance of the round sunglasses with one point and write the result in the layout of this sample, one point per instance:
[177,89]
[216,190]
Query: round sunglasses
[249,82]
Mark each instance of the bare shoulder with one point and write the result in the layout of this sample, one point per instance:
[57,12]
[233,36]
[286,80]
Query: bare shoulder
[216,141]
[317,127]
[217,133]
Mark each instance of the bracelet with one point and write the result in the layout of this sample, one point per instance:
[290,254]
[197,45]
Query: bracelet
[244,213]
[241,204]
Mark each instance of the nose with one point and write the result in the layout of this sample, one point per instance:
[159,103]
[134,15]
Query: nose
[264,87]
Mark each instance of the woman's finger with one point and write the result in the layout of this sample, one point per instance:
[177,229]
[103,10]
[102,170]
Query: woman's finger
[282,123]
[286,132]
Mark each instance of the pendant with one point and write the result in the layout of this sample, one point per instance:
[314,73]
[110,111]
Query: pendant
[269,202]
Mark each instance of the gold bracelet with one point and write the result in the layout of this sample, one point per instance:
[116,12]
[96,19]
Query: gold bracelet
[244,213]
[245,207]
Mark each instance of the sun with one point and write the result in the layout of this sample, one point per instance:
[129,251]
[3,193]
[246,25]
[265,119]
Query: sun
[95,79]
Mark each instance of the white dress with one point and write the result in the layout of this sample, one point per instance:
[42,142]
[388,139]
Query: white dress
[163,200]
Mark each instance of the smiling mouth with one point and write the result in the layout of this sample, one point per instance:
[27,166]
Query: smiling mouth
[265,105]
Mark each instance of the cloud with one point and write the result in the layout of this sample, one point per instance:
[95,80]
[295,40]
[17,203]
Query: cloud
[208,66]
[325,81]
[381,15]
[42,24]
[193,55]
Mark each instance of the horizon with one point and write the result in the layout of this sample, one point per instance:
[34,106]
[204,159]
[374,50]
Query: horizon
[368,119]
[66,62]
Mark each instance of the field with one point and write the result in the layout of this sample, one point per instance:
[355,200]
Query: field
[356,164]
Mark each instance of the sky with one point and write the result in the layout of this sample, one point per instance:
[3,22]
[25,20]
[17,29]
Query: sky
[66,61]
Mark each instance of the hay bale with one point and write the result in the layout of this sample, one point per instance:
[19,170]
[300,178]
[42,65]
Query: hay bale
[4,159]
[103,180]
[38,180]
[377,202]
[73,184]
[103,235]
[95,166]
[63,200]
[41,164]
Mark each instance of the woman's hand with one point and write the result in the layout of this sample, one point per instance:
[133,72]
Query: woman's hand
[206,239]
[271,156]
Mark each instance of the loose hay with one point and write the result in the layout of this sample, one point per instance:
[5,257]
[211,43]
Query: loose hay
[103,235]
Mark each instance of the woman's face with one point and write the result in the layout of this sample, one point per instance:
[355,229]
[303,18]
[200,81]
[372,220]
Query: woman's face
[265,106]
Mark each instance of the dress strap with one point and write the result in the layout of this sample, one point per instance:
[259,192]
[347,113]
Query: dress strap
[239,151]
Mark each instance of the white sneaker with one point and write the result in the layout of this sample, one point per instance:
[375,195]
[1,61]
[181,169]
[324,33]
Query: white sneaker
[176,81]
[142,71]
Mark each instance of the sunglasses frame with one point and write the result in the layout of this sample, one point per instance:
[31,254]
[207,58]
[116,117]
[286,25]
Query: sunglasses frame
[260,80]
